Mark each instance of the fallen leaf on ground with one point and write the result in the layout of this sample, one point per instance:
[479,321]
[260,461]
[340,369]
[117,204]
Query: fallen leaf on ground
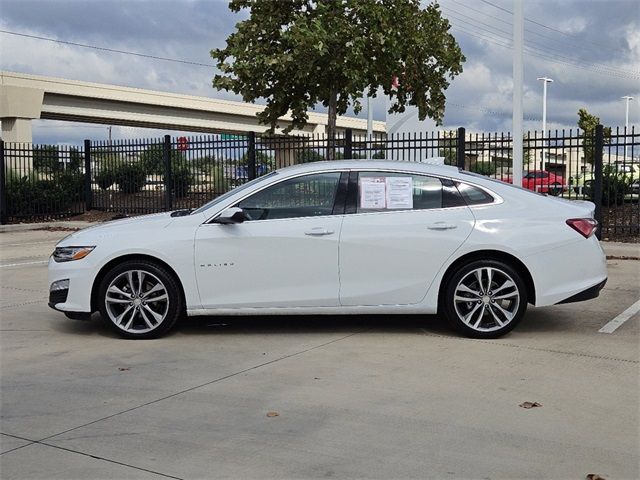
[273,414]
[123,369]
[530,404]
[595,476]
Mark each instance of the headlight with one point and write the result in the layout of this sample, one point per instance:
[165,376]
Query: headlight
[68,254]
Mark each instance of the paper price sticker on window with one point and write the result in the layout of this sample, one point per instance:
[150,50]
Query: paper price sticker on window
[399,193]
[372,193]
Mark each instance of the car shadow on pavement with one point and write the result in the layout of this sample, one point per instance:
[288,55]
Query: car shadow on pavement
[291,324]
[276,324]
[535,321]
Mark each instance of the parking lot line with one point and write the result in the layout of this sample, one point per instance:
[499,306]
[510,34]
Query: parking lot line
[24,263]
[613,325]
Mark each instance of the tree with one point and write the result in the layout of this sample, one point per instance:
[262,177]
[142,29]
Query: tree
[587,123]
[448,148]
[46,158]
[152,159]
[298,53]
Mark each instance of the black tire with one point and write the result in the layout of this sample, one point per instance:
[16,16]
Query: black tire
[170,309]
[588,189]
[487,310]
[555,189]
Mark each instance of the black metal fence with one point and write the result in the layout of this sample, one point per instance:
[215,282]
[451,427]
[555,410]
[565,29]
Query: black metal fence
[40,182]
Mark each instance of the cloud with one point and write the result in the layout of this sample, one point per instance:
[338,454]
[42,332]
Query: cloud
[597,34]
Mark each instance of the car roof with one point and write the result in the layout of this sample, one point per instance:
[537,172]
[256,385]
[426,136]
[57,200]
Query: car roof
[423,167]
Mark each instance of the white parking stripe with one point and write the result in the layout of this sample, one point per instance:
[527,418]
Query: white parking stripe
[613,325]
[23,263]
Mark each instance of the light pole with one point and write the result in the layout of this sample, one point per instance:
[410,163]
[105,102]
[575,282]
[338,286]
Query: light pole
[369,125]
[544,81]
[518,73]
[627,100]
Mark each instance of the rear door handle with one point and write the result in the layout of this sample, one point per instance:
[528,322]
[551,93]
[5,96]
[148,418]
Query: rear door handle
[318,232]
[441,226]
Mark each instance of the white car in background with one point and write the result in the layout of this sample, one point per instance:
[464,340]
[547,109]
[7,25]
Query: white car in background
[338,237]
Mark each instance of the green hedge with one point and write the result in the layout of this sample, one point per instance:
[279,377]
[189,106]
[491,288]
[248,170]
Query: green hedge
[130,177]
[32,195]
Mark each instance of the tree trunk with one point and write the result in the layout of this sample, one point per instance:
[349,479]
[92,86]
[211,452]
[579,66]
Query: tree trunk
[331,126]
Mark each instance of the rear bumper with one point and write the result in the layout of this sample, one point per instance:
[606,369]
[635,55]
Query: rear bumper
[587,294]
[567,270]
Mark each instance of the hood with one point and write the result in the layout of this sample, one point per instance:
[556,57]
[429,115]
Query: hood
[114,227]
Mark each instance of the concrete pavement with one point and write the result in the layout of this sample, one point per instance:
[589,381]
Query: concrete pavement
[356,397]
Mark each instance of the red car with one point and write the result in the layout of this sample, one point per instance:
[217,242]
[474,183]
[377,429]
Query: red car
[540,181]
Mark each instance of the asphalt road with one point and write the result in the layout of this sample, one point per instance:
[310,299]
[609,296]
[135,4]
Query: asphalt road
[356,397]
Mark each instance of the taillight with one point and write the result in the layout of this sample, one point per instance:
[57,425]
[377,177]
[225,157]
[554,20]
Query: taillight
[584,226]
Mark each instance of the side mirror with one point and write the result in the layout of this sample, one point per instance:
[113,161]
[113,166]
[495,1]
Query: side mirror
[230,216]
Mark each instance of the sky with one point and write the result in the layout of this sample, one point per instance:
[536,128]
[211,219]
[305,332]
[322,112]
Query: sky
[591,48]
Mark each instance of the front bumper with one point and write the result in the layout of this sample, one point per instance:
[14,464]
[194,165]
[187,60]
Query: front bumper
[81,275]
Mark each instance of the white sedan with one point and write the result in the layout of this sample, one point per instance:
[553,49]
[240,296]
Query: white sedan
[342,237]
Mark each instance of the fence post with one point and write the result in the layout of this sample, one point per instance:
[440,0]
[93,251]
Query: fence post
[166,159]
[460,145]
[597,173]
[251,155]
[3,190]
[88,192]
[348,144]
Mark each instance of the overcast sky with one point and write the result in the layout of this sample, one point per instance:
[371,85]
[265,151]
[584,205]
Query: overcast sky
[590,48]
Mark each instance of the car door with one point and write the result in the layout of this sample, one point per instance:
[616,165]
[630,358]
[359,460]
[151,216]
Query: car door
[401,230]
[285,255]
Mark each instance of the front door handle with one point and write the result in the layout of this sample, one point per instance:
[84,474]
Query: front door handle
[442,226]
[318,232]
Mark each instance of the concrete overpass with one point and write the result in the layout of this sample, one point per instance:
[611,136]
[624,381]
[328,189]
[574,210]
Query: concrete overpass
[25,97]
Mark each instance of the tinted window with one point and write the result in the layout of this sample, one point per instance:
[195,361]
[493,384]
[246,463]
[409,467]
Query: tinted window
[386,191]
[474,195]
[307,196]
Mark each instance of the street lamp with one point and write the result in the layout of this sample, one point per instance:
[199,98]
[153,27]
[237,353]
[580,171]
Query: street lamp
[545,80]
[627,99]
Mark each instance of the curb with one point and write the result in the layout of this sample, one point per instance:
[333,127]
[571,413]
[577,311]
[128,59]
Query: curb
[67,225]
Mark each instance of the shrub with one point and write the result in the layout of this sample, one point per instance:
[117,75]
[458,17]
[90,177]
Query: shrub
[483,168]
[152,159]
[221,184]
[46,158]
[72,184]
[105,177]
[130,177]
[614,186]
[308,155]
[30,195]
[181,180]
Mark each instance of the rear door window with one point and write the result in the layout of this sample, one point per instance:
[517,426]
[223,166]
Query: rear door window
[389,191]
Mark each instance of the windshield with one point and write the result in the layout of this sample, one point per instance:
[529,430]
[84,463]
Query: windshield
[224,196]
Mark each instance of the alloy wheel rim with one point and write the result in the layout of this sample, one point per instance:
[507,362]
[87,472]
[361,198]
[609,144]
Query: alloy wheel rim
[137,301]
[486,299]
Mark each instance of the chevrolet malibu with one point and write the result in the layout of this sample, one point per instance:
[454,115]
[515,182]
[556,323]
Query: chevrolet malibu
[342,237]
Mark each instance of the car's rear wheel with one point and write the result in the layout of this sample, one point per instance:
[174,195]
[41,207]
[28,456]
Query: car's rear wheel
[140,299]
[485,299]
[555,189]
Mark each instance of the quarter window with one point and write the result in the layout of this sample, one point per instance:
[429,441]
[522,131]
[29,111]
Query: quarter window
[306,196]
[474,195]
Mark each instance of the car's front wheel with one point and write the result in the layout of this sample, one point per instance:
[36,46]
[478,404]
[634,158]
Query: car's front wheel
[140,299]
[485,299]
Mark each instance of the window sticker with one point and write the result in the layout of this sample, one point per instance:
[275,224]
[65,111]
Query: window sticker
[399,193]
[372,193]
